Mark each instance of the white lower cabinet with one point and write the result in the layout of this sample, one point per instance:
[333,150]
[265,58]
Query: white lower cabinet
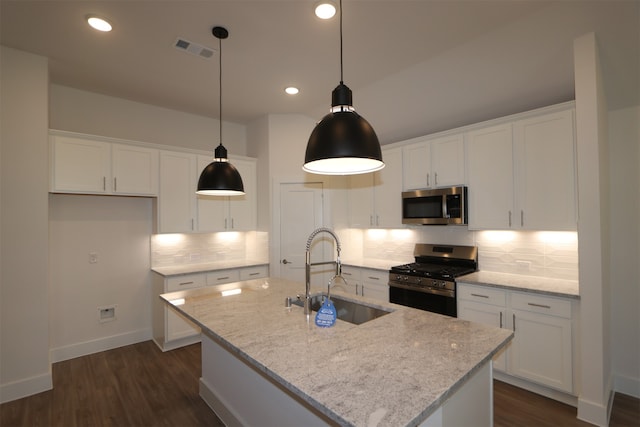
[542,348]
[367,282]
[170,329]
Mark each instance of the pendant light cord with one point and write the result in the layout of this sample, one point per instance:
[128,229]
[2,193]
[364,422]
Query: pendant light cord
[341,66]
[220,89]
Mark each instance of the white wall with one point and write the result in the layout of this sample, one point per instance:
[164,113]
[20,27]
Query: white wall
[117,230]
[24,291]
[593,230]
[86,112]
[624,150]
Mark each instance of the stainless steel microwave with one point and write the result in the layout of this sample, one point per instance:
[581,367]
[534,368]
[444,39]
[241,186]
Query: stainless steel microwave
[440,206]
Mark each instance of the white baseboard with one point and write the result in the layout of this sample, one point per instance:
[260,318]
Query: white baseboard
[26,387]
[595,413]
[101,344]
[627,385]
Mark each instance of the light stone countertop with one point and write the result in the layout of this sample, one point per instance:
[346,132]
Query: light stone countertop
[517,282]
[396,369]
[179,269]
[375,264]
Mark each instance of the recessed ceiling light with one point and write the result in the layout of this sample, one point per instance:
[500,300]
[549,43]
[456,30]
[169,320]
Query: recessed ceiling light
[291,90]
[98,23]
[325,10]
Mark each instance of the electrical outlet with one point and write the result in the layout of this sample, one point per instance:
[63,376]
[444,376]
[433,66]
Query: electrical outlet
[107,313]
[523,265]
[93,257]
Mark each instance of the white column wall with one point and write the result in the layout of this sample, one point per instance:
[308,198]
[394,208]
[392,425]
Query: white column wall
[24,172]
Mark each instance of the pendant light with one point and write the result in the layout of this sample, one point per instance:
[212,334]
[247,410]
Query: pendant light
[343,142]
[220,178]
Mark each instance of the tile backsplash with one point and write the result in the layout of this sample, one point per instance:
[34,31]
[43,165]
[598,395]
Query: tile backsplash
[195,248]
[544,254]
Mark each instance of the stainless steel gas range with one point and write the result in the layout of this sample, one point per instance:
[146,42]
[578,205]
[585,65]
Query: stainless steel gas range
[429,282]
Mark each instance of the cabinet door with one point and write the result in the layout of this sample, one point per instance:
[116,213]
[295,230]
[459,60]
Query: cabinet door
[541,349]
[490,168]
[388,191]
[489,315]
[546,172]
[243,209]
[79,165]
[360,200]
[134,170]
[177,325]
[447,160]
[177,193]
[352,280]
[416,166]
[213,211]
[375,284]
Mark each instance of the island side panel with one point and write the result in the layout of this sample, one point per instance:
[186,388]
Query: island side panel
[240,396]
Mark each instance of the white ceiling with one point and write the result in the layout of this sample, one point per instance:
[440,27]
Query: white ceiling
[415,67]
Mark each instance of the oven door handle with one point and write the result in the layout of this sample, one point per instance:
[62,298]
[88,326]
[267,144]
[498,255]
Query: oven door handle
[424,290]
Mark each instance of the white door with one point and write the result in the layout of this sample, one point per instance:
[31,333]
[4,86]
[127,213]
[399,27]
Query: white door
[300,214]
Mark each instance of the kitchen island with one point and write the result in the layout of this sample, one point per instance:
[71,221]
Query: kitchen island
[266,364]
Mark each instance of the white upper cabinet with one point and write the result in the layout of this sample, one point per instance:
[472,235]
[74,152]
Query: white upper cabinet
[521,175]
[177,198]
[490,168]
[436,162]
[134,169]
[235,213]
[545,172]
[374,198]
[92,166]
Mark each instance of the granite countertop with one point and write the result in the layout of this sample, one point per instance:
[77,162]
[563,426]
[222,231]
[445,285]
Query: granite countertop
[394,370]
[541,285]
[375,264]
[178,269]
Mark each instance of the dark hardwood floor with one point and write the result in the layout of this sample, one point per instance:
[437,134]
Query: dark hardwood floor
[138,385]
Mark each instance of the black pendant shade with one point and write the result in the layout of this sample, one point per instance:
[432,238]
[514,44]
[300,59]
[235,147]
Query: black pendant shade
[343,142]
[220,178]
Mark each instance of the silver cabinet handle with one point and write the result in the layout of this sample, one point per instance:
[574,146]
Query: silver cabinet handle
[225,223]
[186,283]
[522,218]
[232,224]
[222,278]
[253,274]
[501,319]
[284,261]
[538,305]
[115,183]
[104,183]
[435,180]
[427,179]
[377,220]
[480,296]
[509,218]
[370,219]
[374,278]
[514,322]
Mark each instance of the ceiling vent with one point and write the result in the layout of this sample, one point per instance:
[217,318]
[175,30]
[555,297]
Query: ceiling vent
[193,48]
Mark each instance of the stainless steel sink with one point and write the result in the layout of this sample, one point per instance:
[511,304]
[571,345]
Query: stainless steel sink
[347,310]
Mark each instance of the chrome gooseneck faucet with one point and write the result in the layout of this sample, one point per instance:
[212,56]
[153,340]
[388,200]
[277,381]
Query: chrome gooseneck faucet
[308,264]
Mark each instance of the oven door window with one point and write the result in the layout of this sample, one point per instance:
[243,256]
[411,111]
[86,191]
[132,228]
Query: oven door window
[423,301]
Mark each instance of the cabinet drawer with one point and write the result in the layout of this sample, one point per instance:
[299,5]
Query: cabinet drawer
[188,281]
[375,276]
[351,273]
[254,272]
[482,294]
[222,276]
[541,304]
